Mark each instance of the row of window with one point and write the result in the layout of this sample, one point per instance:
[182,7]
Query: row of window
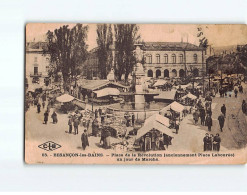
[148,58]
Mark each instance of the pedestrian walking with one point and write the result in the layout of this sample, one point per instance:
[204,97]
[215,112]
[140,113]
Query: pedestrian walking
[76,124]
[221,120]
[202,115]
[236,92]
[195,116]
[209,122]
[84,140]
[70,124]
[43,105]
[177,127]
[206,142]
[100,111]
[38,107]
[223,110]
[54,117]
[210,142]
[96,113]
[216,142]
[133,119]
[46,117]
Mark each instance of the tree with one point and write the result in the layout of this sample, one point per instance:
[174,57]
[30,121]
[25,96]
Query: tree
[104,41]
[126,35]
[67,50]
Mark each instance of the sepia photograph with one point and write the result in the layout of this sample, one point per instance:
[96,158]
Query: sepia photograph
[135,93]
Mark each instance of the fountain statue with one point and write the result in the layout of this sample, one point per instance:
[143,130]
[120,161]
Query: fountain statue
[138,76]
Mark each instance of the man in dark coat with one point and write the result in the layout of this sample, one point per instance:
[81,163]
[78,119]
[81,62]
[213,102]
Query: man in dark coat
[236,92]
[223,110]
[216,142]
[54,117]
[38,107]
[100,111]
[45,117]
[209,122]
[202,115]
[70,124]
[84,140]
[76,124]
[206,141]
[133,119]
[177,127]
[221,120]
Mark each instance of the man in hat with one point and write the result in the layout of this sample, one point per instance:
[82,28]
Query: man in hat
[209,122]
[84,140]
[206,141]
[202,115]
[54,117]
[70,124]
[38,107]
[216,142]
[221,120]
[45,117]
[133,119]
[223,110]
[76,124]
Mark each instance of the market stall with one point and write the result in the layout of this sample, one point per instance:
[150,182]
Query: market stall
[66,102]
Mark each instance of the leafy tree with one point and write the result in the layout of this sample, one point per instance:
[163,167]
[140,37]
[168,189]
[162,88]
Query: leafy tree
[126,35]
[104,41]
[67,50]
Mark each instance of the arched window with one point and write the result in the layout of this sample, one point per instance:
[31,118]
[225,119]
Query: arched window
[181,73]
[150,59]
[195,58]
[181,58]
[150,73]
[166,59]
[166,73]
[173,58]
[158,73]
[174,73]
[157,58]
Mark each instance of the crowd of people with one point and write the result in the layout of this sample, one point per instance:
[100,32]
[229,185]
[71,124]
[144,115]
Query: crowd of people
[212,142]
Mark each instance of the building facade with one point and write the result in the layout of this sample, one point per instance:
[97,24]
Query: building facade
[37,65]
[173,59]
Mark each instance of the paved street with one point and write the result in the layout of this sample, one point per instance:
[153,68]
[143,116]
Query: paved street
[234,135]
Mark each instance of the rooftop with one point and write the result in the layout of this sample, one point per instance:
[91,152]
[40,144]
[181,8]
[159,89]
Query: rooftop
[96,84]
[170,46]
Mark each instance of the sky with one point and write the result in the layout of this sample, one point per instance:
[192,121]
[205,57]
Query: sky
[217,35]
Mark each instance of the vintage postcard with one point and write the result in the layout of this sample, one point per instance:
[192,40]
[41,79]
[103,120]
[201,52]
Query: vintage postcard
[135,94]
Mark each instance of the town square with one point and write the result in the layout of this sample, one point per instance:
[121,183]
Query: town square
[131,95]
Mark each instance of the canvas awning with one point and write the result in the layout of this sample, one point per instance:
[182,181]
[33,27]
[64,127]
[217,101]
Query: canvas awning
[65,98]
[160,83]
[174,106]
[107,91]
[153,124]
[190,96]
[159,118]
[166,95]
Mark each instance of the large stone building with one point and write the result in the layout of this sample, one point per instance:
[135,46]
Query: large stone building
[162,59]
[173,59]
[37,65]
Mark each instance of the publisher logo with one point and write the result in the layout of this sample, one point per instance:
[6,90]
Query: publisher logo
[49,146]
